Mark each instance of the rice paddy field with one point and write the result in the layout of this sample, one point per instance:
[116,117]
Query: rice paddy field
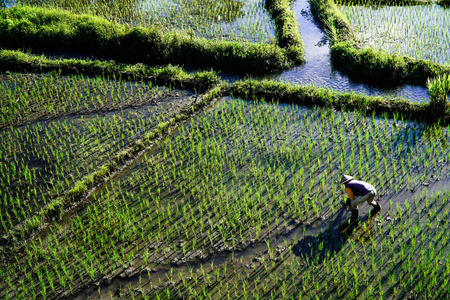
[57,129]
[244,201]
[421,31]
[224,19]
[218,197]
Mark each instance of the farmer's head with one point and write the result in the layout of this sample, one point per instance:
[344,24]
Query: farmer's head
[346,179]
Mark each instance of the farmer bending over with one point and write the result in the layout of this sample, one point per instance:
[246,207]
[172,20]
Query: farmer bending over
[358,192]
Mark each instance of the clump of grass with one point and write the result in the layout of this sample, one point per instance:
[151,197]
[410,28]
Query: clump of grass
[439,89]
[380,66]
[288,35]
[313,96]
[18,61]
[336,23]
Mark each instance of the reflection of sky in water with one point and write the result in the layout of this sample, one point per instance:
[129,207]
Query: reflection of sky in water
[318,70]
[421,32]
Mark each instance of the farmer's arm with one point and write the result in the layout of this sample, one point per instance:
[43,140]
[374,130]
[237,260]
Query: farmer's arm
[350,193]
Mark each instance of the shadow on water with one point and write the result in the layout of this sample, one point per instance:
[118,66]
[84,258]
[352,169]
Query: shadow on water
[315,249]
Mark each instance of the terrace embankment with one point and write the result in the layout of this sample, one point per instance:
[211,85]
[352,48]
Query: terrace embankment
[55,29]
[18,61]
[313,96]
[200,81]
[286,26]
[379,66]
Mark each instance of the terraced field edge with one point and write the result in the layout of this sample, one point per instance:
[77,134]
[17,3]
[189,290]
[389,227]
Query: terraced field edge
[288,35]
[314,96]
[17,61]
[379,66]
[200,81]
[59,30]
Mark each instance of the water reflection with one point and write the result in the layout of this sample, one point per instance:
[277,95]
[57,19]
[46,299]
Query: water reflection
[318,69]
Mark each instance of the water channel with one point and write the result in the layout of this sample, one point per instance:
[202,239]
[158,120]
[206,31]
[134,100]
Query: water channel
[318,69]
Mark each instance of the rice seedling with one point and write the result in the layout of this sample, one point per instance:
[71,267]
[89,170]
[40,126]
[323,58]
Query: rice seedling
[42,159]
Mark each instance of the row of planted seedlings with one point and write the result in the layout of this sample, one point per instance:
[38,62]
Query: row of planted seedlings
[240,173]
[407,255]
[225,19]
[420,31]
[25,98]
[43,159]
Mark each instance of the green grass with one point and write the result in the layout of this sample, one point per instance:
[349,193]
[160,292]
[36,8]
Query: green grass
[19,61]
[288,35]
[380,66]
[313,96]
[59,30]
[222,20]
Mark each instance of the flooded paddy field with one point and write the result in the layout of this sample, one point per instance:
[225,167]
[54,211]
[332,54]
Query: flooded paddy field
[318,69]
[57,129]
[237,200]
[246,195]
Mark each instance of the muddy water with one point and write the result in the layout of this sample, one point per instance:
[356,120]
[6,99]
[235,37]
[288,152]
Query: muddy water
[319,71]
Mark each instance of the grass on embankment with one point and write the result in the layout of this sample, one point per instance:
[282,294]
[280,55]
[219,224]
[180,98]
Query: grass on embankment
[288,35]
[55,208]
[314,96]
[176,76]
[372,64]
[59,30]
[12,60]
